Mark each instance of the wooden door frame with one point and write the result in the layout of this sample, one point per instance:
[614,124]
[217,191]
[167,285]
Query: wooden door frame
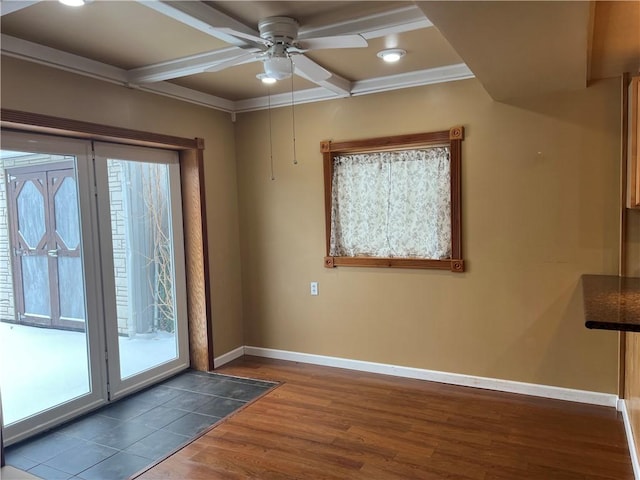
[191,157]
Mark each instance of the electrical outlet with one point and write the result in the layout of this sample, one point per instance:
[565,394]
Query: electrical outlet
[314,288]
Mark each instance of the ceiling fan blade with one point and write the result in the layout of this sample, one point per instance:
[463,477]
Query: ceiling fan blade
[242,58]
[310,69]
[338,41]
[246,36]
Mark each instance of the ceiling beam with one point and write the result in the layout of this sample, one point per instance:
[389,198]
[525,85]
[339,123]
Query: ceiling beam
[34,52]
[199,63]
[331,88]
[204,18]
[335,84]
[398,20]
[50,57]
[210,20]
[207,19]
[10,6]
[182,67]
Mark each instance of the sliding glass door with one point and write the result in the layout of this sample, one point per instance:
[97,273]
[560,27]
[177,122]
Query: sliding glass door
[92,283]
[50,336]
[143,264]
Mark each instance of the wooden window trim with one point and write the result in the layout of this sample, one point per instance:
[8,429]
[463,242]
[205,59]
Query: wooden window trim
[453,138]
[191,157]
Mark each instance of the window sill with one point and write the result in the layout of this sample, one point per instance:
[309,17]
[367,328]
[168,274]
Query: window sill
[452,265]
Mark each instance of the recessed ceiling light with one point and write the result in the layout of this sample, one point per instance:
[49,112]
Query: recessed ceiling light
[392,55]
[72,3]
[266,78]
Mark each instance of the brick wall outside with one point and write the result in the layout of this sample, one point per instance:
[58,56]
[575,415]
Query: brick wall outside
[119,244]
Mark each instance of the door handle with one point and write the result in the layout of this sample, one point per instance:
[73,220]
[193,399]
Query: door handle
[52,253]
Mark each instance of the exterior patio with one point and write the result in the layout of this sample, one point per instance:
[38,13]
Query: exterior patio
[43,367]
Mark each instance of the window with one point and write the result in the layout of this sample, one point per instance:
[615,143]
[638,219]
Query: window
[394,201]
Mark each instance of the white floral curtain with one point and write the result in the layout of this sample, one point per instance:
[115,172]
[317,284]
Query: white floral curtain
[392,204]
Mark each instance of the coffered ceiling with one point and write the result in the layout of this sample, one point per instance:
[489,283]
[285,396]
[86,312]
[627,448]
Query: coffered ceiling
[169,47]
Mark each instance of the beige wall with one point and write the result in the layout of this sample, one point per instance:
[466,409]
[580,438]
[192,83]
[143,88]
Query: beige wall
[33,88]
[532,224]
[540,187]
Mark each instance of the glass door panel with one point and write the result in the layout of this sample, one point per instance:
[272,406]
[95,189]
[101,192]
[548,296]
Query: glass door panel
[141,231]
[143,264]
[46,368]
[92,281]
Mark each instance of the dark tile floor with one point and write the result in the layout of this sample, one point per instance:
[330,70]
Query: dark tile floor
[126,436]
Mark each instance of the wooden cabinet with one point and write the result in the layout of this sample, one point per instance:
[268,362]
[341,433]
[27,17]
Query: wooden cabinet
[633,139]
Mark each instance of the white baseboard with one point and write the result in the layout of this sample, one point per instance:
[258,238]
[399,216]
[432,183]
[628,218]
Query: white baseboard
[227,357]
[547,391]
[622,407]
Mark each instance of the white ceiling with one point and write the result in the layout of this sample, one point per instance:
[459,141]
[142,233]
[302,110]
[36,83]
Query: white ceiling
[513,48]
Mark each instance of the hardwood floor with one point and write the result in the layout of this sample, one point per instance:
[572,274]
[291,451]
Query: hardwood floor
[326,423]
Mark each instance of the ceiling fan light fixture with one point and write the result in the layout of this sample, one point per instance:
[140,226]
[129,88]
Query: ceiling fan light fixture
[266,79]
[278,67]
[392,55]
[72,3]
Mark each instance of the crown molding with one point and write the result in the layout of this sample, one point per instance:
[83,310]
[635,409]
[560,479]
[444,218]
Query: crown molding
[449,73]
[309,95]
[188,95]
[50,57]
[332,89]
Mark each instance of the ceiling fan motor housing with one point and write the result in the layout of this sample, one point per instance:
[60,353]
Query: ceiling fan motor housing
[279,29]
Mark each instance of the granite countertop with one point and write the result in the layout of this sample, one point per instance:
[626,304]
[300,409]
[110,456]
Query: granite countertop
[611,302]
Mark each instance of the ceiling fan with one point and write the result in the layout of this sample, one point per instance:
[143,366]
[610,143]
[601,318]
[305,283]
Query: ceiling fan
[282,52]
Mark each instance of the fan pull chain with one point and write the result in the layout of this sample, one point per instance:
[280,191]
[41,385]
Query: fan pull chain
[293,117]
[273,177]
